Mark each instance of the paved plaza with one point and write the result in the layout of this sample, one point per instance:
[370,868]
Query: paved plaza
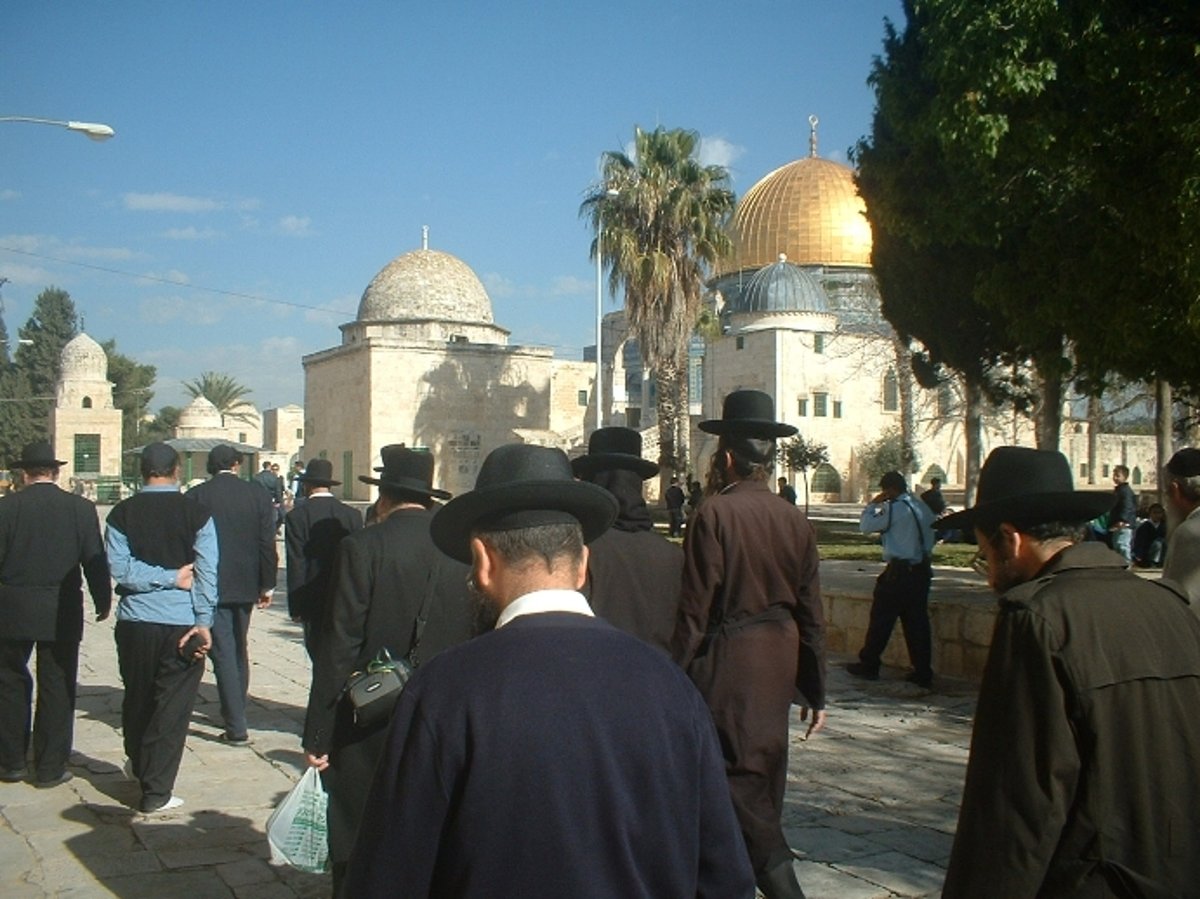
[872,801]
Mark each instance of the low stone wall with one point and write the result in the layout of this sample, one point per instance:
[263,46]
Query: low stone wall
[962,626]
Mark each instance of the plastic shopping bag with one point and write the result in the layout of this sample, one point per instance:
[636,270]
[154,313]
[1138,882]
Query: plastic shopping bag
[296,831]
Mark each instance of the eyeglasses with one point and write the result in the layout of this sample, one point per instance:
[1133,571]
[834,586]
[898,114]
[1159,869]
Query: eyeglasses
[979,563]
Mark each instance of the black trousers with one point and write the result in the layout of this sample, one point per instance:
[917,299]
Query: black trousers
[160,692]
[230,656]
[53,725]
[901,591]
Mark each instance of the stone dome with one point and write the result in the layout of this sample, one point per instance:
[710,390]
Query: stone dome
[199,413]
[810,210]
[782,287]
[84,360]
[426,285]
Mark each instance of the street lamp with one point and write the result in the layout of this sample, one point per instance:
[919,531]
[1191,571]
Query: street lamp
[611,193]
[94,130]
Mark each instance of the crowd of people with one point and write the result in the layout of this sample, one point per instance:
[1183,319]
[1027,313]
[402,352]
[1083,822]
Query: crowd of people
[594,709]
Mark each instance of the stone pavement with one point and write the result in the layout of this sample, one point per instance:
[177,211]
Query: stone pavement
[871,806]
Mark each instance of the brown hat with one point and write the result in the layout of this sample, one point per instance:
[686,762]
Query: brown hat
[38,454]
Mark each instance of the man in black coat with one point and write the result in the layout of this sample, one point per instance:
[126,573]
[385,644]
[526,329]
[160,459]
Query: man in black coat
[246,571]
[312,532]
[392,589]
[1082,775]
[634,574]
[46,536]
[554,755]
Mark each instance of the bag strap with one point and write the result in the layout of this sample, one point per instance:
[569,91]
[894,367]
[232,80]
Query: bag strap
[423,615]
[920,529]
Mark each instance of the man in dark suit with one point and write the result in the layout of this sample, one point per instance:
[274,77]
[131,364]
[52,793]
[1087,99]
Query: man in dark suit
[555,754]
[273,484]
[312,532]
[246,571]
[391,589]
[634,574]
[46,536]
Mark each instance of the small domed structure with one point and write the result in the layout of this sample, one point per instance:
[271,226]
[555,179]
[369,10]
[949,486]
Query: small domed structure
[782,287]
[198,418]
[425,285]
[84,359]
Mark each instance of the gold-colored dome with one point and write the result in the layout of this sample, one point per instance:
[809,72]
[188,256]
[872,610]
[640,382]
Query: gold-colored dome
[809,209]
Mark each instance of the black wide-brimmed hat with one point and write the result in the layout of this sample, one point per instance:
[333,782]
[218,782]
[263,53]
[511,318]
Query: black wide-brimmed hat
[748,413]
[522,486]
[610,448]
[408,471]
[318,472]
[1027,486]
[387,451]
[38,454]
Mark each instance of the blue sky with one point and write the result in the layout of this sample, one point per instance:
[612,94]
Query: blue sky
[271,158]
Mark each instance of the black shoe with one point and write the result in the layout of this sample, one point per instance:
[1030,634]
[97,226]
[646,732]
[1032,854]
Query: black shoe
[230,739]
[779,882]
[925,682]
[47,783]
[858,669]
[14,775]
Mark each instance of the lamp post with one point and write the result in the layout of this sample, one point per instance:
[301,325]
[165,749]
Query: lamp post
[94,130]
[611,193]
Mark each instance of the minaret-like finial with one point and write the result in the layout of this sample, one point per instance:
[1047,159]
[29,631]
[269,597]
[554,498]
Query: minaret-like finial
[813,121]
[424,237]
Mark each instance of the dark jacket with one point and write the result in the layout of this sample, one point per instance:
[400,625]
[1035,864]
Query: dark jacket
[1082,773]
[247,565]
[556,756]
[46,535]
[312,534]
[380,580]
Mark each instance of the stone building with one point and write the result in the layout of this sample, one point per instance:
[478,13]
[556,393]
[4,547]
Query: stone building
[85,426]
[424,364]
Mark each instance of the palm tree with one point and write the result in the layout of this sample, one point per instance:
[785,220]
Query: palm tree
[664,216]
[226,393]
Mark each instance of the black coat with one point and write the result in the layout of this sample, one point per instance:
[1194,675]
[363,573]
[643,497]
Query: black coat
[633,582]
[46,535]
[245,521]
[312,532]
[379,582]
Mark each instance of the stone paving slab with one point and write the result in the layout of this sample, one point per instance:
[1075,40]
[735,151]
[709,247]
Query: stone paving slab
[871,806]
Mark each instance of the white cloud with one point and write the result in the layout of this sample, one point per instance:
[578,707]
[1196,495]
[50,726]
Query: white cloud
[112,254]
[498,286]
[173,275]
[166,310]
[168,202]
[296,225]
[9,194]
[718,151]
[26,275]
[191,233]
[335,310]
[571,286]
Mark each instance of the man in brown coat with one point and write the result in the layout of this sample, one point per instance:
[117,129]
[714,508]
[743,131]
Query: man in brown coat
[751,631]
[1082,776]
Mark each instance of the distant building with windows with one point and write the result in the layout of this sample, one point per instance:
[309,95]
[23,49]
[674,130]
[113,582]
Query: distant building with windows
[85,426]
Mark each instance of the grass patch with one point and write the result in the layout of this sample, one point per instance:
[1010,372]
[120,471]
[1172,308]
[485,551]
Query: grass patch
[841,540]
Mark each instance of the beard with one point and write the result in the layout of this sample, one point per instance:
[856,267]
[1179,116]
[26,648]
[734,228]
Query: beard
[484,611]
[1175,517]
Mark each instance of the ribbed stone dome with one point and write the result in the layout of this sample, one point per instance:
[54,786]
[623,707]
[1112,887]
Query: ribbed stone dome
[199,413]
[84,359]
[782,287]
[424,285]
[808,209]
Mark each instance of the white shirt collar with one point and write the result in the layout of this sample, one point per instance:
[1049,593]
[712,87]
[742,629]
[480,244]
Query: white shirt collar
[540,601]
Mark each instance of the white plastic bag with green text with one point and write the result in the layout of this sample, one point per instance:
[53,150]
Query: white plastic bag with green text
[296,831]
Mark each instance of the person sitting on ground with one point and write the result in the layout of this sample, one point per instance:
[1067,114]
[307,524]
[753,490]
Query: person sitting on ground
[1150,538]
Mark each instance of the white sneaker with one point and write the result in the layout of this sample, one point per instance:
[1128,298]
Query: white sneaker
[172,803]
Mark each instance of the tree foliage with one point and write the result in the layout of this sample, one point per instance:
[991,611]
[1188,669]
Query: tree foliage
[886,453]
[663,215]
[133,384]
[226,393]
[802,455]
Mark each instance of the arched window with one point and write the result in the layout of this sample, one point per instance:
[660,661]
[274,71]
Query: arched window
[934,471]
[87,402]
[891,392]
[825,479]
[1136,477]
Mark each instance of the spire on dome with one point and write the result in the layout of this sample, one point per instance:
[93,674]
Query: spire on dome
[813,121]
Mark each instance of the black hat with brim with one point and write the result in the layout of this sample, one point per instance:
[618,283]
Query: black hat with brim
[38,454]
[1026,486]
[318,472]
[522,486]
[614,448]
[748,413]
[407,471]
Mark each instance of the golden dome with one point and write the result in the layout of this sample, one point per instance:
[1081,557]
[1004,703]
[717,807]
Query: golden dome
[809,209]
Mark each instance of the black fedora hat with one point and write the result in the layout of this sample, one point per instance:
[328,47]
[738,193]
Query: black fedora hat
[748,413]
[1027,486]
[387,451]
[521,486]
[319,472]
[610,448]
[406,470]
[38,454]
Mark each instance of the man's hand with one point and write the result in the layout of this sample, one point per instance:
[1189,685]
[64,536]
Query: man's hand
[320,762]
[817,722]
[264,599]
[184,577]
[202,650]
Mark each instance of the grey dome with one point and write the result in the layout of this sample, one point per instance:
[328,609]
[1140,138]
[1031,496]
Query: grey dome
[782,287]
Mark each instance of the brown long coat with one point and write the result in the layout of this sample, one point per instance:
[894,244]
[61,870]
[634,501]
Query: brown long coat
[751,632]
